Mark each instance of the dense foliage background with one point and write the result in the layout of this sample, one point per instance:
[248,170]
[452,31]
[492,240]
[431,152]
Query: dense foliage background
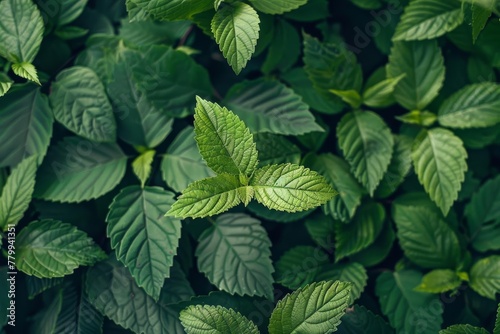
[395,103]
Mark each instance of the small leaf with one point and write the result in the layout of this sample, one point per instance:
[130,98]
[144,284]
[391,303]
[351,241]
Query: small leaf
[347,272]
[236,30]
[142,166]
[485,276]
[379,94]
[463,329]
[351,97]
[424,118]
[5,84]
[198,319]
[27,71]
[277,6]
[439,281]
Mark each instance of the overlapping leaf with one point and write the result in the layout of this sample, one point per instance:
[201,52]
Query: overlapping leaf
[439,281]
[171,10]
[277,6]
[485,276]
[348,272]
[198,319]
[299,266]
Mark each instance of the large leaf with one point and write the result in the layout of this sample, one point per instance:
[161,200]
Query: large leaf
[78,170]
[225,142]
[235,256]
[21,30]
[423,64]
[171,10]
[347,272]
[313,309]
[439,159]
[289,187]
[485,277]
[50,248]
[402,305]
[144,239]
[81,105]
[269,106]
[277,6]
[26,120]
[16,194]
[236,30]
[367,144]
[198,319]
[427,19]
[473,106]
[426,239]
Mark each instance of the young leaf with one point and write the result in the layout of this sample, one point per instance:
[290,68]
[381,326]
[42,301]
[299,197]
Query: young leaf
[198,319]
[16,194]
[367,144]
[144,239]
[463,329]
[439,159]
[78,170]
[5,84]
[474,106]
[347,272]
[235,255]
[313,309]
[225,142]
[485,276]
[291,188]
[236,30]
[427,19]
[50,248]
[351,97]
[439,281]
[26,70]
[142,166]
[277,6]
[379,94]
[358,319]
[423,64]
[81,105]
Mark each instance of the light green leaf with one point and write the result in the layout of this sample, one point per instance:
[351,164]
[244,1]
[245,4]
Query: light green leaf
[321,229]
[183,164]
[236,30]
[172,10]
[142,166]
[112,290]
[289,187]
[276,149]
[277,6]
[198,319]
[137,10]
[313,309]
[358,319]
[439,281]
[347,272]
[81,105]
[475,106]
[207,197]
[16,194]
[427,19]
[144,239]
[463,329]
[424,118]
[402,305]
[27,71]
[235,255]
[439,159]
[380,94]
[270,106]
[5,84]
[336,171]
[28,112]
[367,144]
[225,142]
[426,239]
[485,276]
[50,248]
[78,170]
[423,64]
[351,97]
[21,30]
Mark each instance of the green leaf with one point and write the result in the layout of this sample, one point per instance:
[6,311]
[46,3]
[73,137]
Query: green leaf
[26,70]
[235,255]
[480,16]
[29,110]
[497,322]
[336,171]
[46,319]
[423,64]
[321,229]
[5,84]
[361,232]
[36,286]
[270,106]
[144,239]
[16,194]
[225,142]
[284,37]
[78,170]
[289,187]
[426,239]
[424,118]
[21,30]
[70,32]
[463,329]
[236,30]
[367,144]
[207,197]
[277,216]
[358,319]
[351,97]
[50,248]
[81,105]
[403,306]
[347,272]
[172,10]
[475,106]
[439,281]
[439,159]
[64,12]
[277,6]
[183,164]
[198,319]
[276,149]
[379,249]
[427,19]
[142,166]
[485,276]
[380,94]
[112,291]
[313,309]
[151,32]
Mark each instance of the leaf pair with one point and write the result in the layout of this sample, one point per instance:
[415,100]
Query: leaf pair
[229,149]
